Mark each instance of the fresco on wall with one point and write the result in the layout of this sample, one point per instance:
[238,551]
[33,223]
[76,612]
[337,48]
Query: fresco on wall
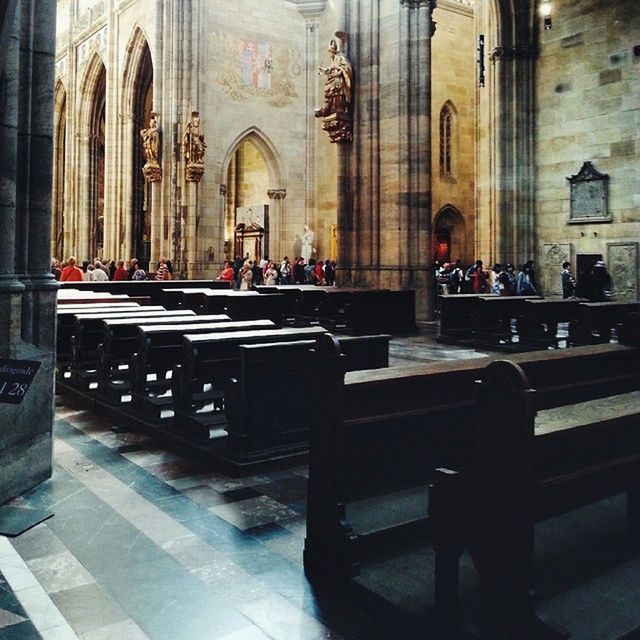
[251,69]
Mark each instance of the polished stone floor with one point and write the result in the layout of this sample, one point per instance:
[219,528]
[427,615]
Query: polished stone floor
[148,544]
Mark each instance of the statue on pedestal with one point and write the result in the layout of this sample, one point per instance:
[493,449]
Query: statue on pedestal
[338,95]
[308,237]
[193,147]
[151,148]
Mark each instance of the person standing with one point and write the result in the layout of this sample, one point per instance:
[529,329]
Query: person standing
[602,285]
[121,273]
[71,273]
[163,272]
[456,278]
[99,274]
[227,273]
[568,281]
[478,277]
[526,281]
[246,276]
[270,275]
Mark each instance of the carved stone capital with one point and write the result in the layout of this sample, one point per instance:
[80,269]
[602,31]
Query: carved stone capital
[277,194]
[152,172]
[418,4]
[223,190]
[194,172]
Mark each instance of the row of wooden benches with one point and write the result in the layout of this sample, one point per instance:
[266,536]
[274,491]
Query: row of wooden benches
[353,311]
[487,321]
[468,429]
[201,376]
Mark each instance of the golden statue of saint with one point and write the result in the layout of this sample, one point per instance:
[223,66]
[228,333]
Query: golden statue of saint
[193,143]
[337,86]
[151,141]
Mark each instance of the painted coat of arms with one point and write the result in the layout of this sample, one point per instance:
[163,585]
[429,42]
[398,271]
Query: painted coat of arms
[255,69]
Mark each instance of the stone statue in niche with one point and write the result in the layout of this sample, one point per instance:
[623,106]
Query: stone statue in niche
[308,237]
[193,148]
[338,95]
[151,148]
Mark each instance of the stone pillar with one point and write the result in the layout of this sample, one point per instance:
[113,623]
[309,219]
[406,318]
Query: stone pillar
[275,247]
[384,176]
[27,290]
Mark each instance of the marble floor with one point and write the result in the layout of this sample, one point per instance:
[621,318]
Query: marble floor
[147,544]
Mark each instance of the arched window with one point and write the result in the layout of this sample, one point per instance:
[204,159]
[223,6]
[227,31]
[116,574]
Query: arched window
[446,140]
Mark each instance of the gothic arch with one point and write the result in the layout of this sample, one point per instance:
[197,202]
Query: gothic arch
[449,228]
[266,148]
[275,190]
[91,128]
[137,105]
[59,170]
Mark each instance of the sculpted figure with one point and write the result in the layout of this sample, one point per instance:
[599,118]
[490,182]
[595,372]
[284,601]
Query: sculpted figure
[151,141]
[308,237]
[193,142]
[338,84]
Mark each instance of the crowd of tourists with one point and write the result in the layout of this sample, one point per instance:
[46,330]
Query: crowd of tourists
[505,280]
[246,273]
[104,270]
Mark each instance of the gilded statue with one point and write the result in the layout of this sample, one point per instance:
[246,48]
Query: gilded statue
[338,95]
[151,148]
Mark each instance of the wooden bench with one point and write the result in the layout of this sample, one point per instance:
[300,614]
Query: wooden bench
[151,288]
[159,350]
[527,469]
[493,321]
[596,320]
[184,298]
[67,323]
[216,301]
[268,407]
[374,434]
[537,327]
[253,307]
[459,317]
[87,336]
[119,343]
[381,311]
[207,364]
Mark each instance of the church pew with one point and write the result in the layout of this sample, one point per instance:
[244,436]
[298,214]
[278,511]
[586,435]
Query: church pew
[119,342]
[177,298]
[307,305]
[332,309]
[537,327]
[87,335]
[253,307]
[267,407]
[459,317]
[66,323]
[151,288]
[374,433]
[493,322]
[596,320]
[209,362]
[159,350]
[525,472]
[381,311]
[216,301]
[291,294]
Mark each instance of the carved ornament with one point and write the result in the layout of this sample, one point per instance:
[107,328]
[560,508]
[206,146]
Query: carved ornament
[277,194]
[525,52]
[194,148]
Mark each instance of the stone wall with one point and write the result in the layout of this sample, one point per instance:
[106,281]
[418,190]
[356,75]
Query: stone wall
[588,90]
[454,82]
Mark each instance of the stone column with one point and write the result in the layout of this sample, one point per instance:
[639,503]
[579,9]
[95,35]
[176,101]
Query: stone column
[276,223]
[384,176]
[27,309]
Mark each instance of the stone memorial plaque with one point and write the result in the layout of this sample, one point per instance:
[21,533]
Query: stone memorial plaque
[589,196]
[622,260]
[553,256]
[16,377]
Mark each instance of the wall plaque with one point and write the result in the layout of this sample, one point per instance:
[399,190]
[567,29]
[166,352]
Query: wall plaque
[622,260]
[589,196]
[16,377]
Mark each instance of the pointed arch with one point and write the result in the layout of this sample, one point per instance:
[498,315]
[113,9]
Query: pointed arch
[137,105]
[267,149]
[449,235]
[93,83]
[448,139]
[59,170]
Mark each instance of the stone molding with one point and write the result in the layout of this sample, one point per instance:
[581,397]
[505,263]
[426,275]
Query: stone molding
[277,194]
[418,4]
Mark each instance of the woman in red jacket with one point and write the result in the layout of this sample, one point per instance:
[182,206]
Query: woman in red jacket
[121,273]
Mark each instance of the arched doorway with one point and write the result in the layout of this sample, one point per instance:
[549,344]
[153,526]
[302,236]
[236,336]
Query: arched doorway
[139,97]
[59,172]
[252,223]
[449,238]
